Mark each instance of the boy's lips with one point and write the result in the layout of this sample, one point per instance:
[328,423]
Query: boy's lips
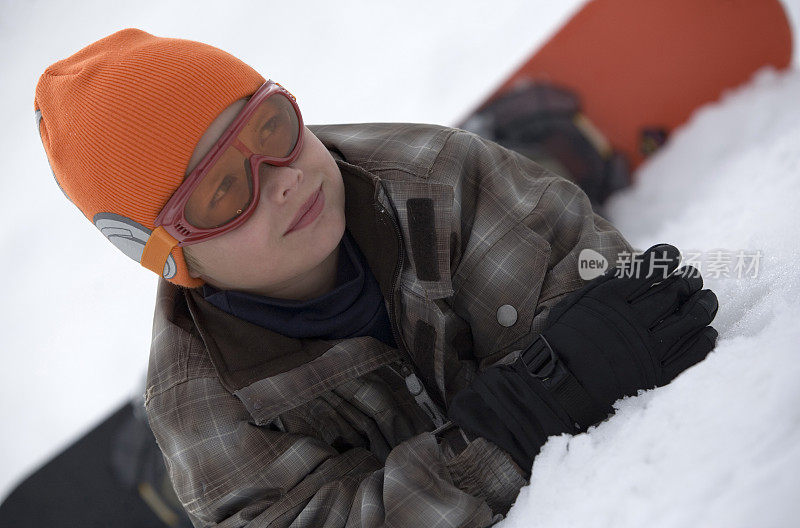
[304,209]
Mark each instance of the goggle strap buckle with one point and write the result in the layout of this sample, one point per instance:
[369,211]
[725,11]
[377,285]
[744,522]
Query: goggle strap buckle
[157,249]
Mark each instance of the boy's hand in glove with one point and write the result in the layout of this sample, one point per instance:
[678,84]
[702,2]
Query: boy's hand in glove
[635,327]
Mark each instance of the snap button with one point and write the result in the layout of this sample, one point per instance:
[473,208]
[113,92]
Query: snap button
[506,315]
[413,384]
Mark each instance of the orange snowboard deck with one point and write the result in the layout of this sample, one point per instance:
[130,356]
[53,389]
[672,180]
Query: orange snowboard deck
[639,64]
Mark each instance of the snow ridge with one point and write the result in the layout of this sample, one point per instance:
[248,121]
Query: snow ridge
[720,446]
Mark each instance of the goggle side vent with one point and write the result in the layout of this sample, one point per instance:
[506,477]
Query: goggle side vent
[182,229]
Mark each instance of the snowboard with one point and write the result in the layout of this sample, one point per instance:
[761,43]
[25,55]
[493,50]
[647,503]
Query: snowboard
[620,75]
[113,476]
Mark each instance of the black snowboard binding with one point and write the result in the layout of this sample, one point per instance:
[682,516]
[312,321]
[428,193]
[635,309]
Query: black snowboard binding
[544,123]
[113,476]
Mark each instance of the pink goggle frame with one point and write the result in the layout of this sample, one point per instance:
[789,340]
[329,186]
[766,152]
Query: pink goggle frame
[186,215]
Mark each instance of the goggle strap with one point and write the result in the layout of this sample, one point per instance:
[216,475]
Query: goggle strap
[157,250]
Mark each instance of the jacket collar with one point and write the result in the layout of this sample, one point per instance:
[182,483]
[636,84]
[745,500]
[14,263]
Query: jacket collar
[242,352]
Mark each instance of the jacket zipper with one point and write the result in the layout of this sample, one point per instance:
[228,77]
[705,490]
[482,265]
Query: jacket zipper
[413,383]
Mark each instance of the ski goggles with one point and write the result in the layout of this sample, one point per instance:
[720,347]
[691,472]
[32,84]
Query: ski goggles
[223,191]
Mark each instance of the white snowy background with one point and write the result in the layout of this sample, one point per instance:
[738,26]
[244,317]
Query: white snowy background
[719,447]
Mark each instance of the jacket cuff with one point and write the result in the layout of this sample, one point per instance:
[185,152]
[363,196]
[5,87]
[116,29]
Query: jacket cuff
[484,470]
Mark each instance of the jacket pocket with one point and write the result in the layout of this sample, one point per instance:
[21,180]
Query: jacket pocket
[267,398]
[499,291]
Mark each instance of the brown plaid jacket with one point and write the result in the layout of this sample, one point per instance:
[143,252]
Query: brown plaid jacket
[471,244]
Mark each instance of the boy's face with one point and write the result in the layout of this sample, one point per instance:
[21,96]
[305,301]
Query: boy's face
[259,256]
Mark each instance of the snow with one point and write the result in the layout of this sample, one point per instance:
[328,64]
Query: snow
[720,446]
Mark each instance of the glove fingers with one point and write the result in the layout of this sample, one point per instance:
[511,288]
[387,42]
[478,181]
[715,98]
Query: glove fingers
[693,351]
[689,280]
[698,311]
[630,279]
[651,267]
[663,299]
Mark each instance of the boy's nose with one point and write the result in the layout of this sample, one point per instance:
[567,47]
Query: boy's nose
[279,182]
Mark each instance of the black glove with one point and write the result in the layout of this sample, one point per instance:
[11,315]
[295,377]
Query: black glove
[635,327]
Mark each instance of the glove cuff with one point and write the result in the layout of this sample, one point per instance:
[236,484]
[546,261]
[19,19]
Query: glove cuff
[542,362]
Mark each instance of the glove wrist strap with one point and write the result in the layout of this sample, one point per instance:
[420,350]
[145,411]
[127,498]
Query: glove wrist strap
[542,362]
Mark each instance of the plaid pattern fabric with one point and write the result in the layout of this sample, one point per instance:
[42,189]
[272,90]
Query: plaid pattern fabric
[472,244]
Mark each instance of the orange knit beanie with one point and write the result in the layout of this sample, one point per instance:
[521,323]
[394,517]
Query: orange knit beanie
[119,121]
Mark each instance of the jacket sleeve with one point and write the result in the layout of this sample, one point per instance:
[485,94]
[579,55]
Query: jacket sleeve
[521,232]
[230,472]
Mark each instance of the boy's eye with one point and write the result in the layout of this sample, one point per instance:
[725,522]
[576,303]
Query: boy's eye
[226,184]
[273,133]
[268,128]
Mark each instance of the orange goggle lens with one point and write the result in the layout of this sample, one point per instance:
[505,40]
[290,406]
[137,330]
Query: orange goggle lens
[227,188]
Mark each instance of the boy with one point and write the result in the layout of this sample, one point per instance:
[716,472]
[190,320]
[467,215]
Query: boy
[353,325]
